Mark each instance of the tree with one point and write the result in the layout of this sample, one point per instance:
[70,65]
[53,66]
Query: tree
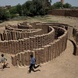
[36,7]
[4,14]
[67,5]
[57,5]
[41,6]
[13,10]
[27,7]
[19,9]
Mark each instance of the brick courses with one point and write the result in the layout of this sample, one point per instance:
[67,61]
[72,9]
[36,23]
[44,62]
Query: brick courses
[64,12]
[41,42]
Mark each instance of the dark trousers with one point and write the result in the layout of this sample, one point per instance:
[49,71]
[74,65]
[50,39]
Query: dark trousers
[32,66]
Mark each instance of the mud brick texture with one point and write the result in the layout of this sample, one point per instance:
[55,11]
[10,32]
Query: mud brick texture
[64,12]
[45,41]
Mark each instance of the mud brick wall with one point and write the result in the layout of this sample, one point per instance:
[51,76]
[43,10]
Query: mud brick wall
[41,26]
[24,26]
[15,35]
[14,60]
[38,32]
[57,25]
[73,37]
[11,27]
[39,53]
[35,25]
[40,41]
[51,35]
[75,34]
[76,50]
[30,43]
[75,40]
[58,32]
[63,12]
[44,54]
[21,59]
[70,32]
[73,13]
[58,12]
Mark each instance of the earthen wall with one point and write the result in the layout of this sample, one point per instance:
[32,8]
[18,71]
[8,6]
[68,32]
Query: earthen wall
[63,12]
[45,40]
[44,54]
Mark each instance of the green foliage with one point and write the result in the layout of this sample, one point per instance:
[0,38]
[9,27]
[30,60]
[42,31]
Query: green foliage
[19,9]
[29,8]
[67,5]
[4,14]
[35,7]
[57,5]
[13,10]
[13,15]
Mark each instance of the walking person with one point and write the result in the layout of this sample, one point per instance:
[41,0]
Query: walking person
[32,64]
[3,62]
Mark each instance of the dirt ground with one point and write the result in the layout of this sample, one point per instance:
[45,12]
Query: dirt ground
[64,66]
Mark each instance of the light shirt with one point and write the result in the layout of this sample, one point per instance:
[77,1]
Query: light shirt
[3,59]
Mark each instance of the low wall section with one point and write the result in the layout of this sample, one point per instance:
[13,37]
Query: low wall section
[63,12]
[15,34]
[75,40]
[73,37]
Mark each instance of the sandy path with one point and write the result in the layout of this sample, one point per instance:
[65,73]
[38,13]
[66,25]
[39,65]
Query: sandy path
[64,66]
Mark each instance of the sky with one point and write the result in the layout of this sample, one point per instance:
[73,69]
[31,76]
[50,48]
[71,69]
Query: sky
[15,2]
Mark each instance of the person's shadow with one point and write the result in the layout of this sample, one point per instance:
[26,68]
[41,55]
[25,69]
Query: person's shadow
[36,70]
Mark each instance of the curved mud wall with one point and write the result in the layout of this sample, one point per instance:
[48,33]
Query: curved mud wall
[47,45]
[42,55]
[36,41]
